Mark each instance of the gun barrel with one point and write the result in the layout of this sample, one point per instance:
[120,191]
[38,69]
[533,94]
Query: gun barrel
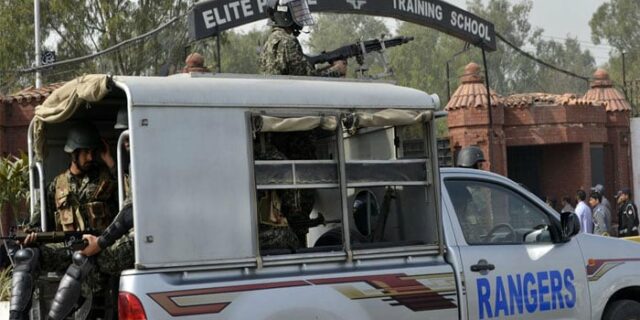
[354,49]
[50,236]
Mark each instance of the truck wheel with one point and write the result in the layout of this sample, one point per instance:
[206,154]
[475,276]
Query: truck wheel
[622,310]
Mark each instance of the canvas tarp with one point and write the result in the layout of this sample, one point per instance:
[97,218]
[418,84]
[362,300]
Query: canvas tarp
[387,117]
[276,124]
[65,101]
[352,122]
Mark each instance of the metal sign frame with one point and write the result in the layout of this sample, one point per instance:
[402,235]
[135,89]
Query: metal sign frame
[209,18]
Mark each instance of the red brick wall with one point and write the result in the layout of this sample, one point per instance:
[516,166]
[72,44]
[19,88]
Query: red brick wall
[14,122]
[563,170]
[470,126]
[619,145]
[566,134]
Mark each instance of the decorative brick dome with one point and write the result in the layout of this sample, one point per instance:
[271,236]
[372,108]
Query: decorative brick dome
[195,63]
[602,90]
[472,91]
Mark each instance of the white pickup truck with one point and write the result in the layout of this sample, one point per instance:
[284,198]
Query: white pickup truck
[303,198]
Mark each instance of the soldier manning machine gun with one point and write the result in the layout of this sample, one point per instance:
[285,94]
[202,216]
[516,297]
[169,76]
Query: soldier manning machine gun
[359,50]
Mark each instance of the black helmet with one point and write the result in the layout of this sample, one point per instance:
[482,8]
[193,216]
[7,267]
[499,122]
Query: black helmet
[470,157]
[122,119]
[82,136]
[289,13]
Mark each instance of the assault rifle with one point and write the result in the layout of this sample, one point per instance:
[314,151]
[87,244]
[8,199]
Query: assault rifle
[72,239]
[358,50]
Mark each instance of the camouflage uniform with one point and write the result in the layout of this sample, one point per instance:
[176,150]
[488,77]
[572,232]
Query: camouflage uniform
[117,257]
[293,205]
[282,55]
[79,203]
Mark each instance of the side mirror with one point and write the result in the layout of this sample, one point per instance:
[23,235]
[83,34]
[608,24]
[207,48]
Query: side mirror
[570,225]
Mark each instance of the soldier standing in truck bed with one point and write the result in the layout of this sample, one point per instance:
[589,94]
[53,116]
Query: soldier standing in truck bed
[282,53]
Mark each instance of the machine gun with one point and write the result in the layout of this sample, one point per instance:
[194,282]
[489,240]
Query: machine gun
[358,50]
[72,239]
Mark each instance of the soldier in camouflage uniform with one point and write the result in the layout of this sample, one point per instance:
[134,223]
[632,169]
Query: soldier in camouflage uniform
[115,247]
[282,53]
[82,198]
[284,214]
[116,254]
[274,231]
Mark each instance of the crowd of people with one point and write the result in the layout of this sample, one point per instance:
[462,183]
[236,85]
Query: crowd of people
[598,216]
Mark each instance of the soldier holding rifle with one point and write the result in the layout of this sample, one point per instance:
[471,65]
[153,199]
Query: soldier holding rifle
[83,198]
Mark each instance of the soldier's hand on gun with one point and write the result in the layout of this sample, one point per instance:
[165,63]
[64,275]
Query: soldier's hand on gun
[105,155]
[31,238]
[340,66]
[92,248]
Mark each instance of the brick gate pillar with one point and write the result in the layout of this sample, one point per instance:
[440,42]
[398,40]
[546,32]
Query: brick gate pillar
[469,122]
[618,131]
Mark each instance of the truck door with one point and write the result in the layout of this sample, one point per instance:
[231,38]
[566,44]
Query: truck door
[514,265]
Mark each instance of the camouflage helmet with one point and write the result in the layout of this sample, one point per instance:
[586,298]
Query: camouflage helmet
[470,157]
[82,136]
[289,13]
[122,119]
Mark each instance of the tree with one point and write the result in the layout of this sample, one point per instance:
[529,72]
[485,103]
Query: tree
[618,23]
[568,56]
[239,52]
[421,64]
[17,49]
[103,24]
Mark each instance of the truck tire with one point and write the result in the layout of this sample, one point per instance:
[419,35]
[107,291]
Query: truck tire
[622,310]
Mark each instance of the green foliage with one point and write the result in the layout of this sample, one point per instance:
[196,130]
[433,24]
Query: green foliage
[421,64]
[335,30]
[571,57]
[14,184]
[5,284]
[618,23]
[79,28]
[239,52]
[102,24]
[17,49]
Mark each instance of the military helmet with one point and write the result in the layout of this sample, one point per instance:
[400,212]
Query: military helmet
[82,136]
[470,157]
[289,13]
[122,119]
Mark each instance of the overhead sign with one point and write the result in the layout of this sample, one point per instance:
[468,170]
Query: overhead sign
[211,17]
